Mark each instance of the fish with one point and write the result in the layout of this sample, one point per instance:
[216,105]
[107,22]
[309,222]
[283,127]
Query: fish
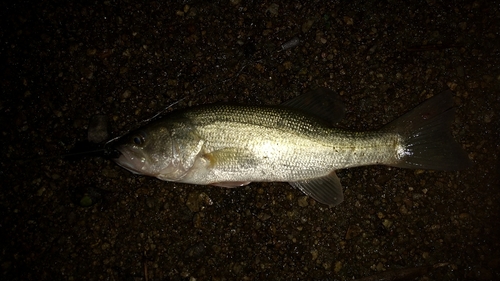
[297,142]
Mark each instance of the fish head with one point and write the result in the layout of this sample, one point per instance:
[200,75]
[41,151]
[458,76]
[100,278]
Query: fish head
[150,151]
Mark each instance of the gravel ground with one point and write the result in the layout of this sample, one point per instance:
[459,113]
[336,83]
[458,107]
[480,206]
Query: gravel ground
[88,219]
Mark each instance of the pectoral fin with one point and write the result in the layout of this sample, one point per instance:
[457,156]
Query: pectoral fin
[326,190]
[229,157]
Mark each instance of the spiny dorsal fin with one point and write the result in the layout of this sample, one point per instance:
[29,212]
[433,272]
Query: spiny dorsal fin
[321,102]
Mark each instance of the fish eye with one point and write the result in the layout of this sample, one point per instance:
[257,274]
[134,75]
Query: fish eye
[139,138]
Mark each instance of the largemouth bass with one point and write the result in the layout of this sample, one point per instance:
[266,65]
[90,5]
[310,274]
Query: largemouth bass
[233,145]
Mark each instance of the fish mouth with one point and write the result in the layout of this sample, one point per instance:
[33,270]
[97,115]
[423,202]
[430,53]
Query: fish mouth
[129,161]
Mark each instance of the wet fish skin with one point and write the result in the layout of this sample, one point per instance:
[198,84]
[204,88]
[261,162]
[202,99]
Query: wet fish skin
[233,145]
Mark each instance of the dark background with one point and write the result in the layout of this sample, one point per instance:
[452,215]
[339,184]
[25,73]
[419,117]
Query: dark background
[63,62]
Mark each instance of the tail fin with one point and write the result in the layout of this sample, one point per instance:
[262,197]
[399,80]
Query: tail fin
[426,133]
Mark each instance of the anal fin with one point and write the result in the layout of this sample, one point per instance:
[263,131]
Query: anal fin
[326,190]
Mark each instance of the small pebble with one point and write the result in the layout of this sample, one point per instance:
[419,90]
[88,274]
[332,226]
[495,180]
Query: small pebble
[302,201]
[294,42]
[98,130]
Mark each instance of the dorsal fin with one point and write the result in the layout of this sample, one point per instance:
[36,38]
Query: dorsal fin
[321,102]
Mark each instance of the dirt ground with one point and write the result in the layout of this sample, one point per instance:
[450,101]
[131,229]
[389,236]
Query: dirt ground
[63,62]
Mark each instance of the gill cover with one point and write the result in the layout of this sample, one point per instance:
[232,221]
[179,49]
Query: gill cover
[166,150]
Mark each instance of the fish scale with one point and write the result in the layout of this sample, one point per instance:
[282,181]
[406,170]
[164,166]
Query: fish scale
[300,142]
